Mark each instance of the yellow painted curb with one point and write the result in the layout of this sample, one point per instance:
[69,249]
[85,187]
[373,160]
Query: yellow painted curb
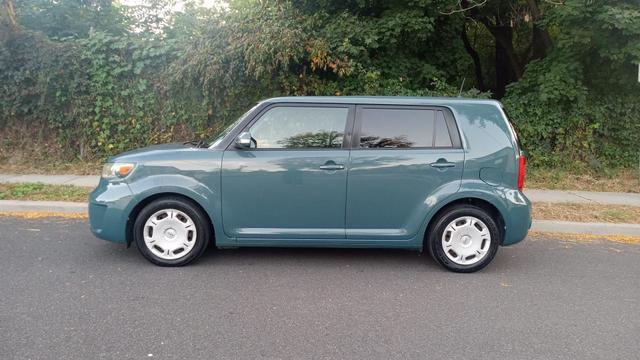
[43,214]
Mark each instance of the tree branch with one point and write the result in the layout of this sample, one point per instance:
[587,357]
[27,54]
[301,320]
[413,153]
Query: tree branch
[463,9]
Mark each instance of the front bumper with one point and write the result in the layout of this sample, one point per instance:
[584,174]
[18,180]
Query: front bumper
[109,207]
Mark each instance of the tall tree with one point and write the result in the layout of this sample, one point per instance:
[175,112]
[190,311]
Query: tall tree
[517,32]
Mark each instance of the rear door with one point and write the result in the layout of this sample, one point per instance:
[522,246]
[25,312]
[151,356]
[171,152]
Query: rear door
[403,159]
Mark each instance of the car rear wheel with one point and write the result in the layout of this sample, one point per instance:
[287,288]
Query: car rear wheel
[171,231]
[464,239]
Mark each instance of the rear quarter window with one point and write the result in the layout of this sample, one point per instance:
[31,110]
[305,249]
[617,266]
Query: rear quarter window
[513,130]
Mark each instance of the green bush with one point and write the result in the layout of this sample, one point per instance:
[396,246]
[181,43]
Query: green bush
[106,78]
[581,104]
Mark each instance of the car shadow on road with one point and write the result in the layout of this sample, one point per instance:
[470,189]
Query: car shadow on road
[338,256]
[303,257]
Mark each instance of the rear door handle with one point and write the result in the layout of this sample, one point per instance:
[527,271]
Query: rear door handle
[332,167]
[442,163]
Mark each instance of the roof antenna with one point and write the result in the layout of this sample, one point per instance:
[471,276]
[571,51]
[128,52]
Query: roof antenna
[461,86]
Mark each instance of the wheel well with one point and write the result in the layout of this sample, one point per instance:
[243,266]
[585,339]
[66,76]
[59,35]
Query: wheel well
[136,210]
[485,205]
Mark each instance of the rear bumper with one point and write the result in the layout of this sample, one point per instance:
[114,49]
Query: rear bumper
[518,220]
[108,213]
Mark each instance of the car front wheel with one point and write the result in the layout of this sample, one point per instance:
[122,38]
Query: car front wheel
[171,231]
[464,239]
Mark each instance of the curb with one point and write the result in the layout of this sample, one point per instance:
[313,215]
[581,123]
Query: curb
[43,206]
[567,227]
[571,227]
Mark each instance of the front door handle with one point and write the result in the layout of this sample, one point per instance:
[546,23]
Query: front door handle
[331,165]
[442,163]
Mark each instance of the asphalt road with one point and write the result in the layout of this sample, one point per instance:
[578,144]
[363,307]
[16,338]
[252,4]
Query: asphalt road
[67,295]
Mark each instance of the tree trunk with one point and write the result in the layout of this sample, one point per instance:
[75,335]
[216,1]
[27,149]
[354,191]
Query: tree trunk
[540,38]
[477,65]
[8,23]
[508,68]
[503,35]
[540,43]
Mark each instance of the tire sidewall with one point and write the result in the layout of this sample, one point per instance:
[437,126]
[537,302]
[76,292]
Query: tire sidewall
[199,219]
[435,237]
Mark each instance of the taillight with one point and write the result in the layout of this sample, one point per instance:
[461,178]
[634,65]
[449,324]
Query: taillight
[522,171]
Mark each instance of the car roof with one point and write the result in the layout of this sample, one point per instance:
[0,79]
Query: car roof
[380,100]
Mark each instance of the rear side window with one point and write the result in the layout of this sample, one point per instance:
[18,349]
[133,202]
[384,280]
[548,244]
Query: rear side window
[403,128]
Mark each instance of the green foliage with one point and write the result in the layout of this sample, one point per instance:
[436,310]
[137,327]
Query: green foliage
[98,93]
[20,190]
[70,18]
[581,103]
[102,78]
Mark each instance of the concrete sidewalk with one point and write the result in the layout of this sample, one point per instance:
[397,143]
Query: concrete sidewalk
[583,197]
[553,196]
[43,206]
[88,181]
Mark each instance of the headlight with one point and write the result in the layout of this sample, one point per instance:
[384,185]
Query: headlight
[117,170]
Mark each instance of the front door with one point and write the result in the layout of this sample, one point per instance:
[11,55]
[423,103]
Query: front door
[291,183]
[404,159]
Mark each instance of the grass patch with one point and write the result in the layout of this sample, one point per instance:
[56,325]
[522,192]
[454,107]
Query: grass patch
[34,191]
[586,212]
[622,180]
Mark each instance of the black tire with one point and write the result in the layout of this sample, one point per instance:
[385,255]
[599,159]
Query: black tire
[434,238]
[200,221]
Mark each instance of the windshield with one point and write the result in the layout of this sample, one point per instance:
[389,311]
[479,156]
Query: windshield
[226,131]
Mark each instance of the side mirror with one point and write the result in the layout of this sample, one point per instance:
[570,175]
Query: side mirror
[243,141]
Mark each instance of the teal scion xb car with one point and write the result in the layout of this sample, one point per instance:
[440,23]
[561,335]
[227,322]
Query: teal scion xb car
[441,174]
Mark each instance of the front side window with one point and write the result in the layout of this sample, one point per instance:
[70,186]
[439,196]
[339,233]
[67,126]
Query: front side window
[289,127]
[403,128]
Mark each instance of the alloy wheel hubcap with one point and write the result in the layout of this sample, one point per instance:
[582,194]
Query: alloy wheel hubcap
[466,240]
[170,234]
